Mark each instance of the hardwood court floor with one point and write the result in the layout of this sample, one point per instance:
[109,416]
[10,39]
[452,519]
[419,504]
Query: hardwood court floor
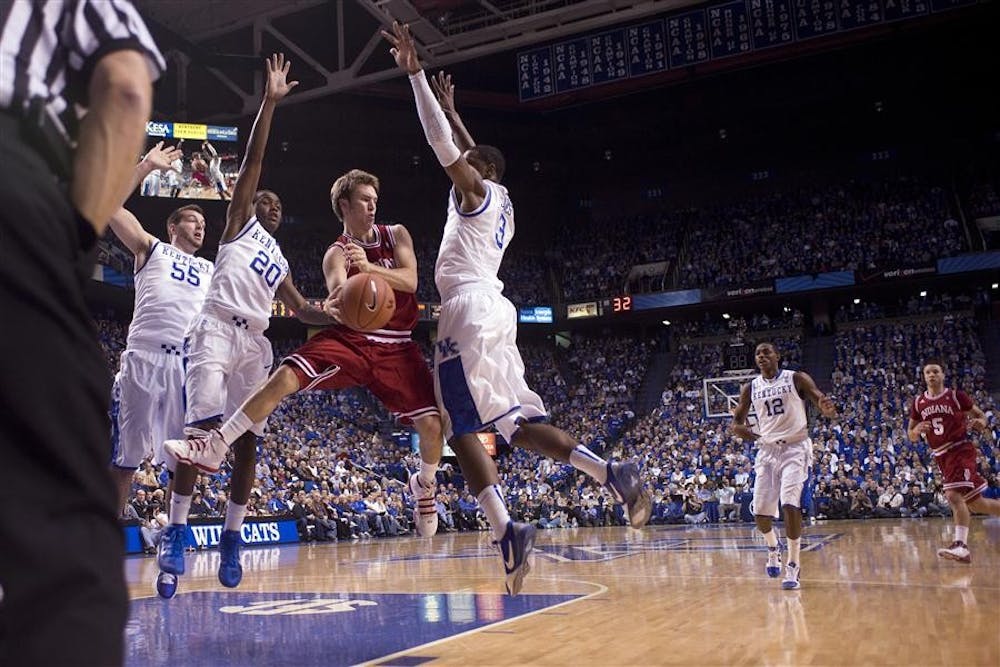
[873,593]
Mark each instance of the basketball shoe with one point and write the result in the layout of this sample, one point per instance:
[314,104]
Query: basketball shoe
[958,551]
[166,585]
[791,580]
[626,486]
[515,547]
[426,516]
[205,451]
[230,569]
[170,554]
[773,567]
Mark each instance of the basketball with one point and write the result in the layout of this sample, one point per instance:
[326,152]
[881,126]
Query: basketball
[366,302]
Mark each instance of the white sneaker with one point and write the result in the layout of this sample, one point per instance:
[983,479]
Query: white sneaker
[791,580]
[425,514]
[773,567]
[205,452]
[958,551]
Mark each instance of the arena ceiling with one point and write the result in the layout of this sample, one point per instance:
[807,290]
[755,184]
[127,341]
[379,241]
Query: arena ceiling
[337,45]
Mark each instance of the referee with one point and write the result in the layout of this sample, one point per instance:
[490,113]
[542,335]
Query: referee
[62,590]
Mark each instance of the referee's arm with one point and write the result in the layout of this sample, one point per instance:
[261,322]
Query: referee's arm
[112,135]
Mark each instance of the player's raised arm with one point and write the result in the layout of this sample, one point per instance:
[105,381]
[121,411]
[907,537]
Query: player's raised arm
[468,182]
[307,313]
[806,386]
[158,158]
[444,89]
[128,228]
[241,206]
[739,427]
[209,148]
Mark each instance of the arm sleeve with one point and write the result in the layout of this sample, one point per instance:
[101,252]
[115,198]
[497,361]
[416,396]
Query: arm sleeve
[436,127]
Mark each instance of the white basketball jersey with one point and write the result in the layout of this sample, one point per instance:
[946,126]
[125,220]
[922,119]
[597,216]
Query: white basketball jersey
[248,270]
[781,413]
[170,289]
[474,243]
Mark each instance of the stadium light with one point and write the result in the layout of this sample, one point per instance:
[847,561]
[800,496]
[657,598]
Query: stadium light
[725,316]
[666,323]
[857,301]
[923,293]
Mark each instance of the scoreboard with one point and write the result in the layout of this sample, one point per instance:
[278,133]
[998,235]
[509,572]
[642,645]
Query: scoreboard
[715,32]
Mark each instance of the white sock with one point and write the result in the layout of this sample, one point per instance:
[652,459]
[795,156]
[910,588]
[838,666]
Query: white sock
[234,515]
[962,534]
[235,426]
[428,474]
[587,461]
[771,537]
[793,549]
[492,502]
[179,508]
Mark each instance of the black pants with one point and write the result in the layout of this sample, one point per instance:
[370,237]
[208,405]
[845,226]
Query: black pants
[63,598]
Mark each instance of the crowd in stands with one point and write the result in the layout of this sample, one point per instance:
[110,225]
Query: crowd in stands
[852,226]
[863,225]
[984,201]
[739,326]
[594,257]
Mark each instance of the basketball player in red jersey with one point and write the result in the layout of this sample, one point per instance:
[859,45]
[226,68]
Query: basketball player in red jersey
[943,416]
[386,361]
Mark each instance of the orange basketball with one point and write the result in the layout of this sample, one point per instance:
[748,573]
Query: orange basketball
[366,302]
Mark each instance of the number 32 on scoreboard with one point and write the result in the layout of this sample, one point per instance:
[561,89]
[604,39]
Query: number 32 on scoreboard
[621,304]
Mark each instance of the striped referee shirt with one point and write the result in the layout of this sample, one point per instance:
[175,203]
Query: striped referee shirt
[48,49]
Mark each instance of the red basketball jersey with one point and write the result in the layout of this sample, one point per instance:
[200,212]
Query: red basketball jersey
[946,413]
[381,251]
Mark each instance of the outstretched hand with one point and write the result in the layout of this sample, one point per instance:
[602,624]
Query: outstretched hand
[278,84]
[404,50]
[159,157]
[444,89]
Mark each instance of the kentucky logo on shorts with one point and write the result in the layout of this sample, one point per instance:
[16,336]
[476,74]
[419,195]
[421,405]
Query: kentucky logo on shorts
[447,348]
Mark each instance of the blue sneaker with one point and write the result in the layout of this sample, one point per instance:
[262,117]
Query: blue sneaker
[515,547]
[170,554]
[230,569]
[166,585]
[773,567]
[626,485]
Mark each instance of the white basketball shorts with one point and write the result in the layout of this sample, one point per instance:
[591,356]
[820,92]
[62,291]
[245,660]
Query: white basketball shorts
[782,472]
[226,364]
[147,405]
[478,371]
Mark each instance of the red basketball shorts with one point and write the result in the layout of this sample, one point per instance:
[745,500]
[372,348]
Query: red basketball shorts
[958,467]
[395,373]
